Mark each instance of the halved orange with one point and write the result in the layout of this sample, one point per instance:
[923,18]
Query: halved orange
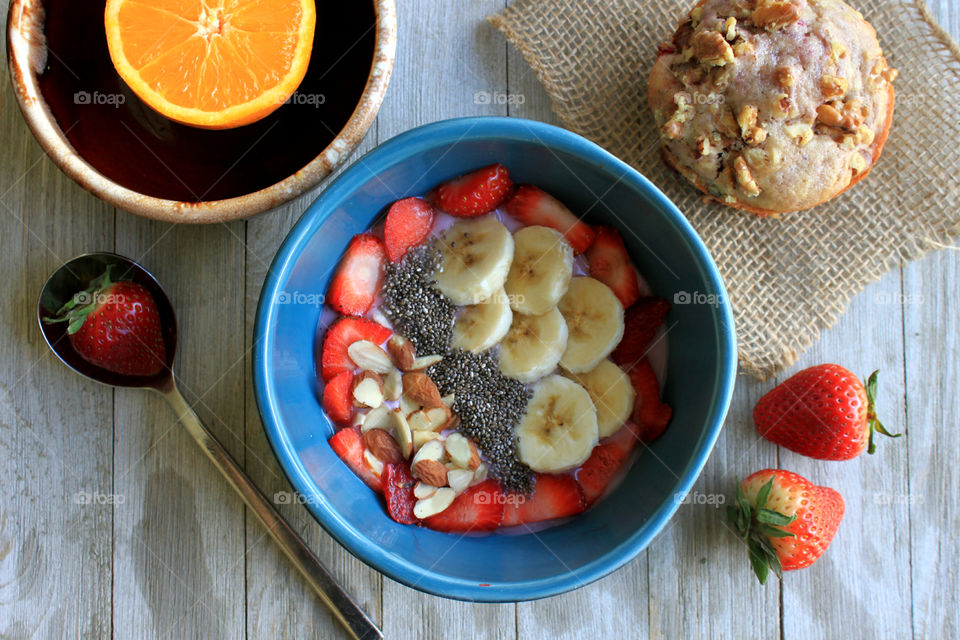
[214,64]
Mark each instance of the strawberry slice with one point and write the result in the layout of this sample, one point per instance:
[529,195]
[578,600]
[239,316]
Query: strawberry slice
[358,278]
[398,490]
[610,264]
[340,335]
[474,194]
[554,496]
[605,462]
[409,221]
[640,327]
[337,400]
[348,444]
[534,206]
[649,413]
[479,508]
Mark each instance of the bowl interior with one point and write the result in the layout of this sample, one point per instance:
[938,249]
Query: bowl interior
[129,143]
[664,248]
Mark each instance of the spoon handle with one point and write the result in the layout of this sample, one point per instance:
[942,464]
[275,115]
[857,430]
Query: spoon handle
[348,612]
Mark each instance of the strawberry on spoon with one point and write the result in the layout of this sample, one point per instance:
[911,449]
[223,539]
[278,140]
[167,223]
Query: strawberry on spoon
[116,326]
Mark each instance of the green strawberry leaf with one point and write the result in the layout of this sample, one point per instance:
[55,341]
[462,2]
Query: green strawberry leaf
[75,311]
[769,516]
[764,494]
[758,525]
[873,423]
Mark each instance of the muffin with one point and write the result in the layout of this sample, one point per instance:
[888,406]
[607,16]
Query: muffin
[772,105]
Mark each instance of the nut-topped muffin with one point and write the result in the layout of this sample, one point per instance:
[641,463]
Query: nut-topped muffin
[772,105]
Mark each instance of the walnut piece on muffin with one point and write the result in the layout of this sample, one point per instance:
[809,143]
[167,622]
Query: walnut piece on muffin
[772,105]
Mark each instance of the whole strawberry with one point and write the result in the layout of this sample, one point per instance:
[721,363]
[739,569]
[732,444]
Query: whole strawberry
[115,325]
[823,412]
[786,520]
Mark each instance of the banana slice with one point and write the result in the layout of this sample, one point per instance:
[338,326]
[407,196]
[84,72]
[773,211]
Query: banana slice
[541,270]
[483,325]
[594,318]
[612,394]
[475,259]
[533,346]
[559,429]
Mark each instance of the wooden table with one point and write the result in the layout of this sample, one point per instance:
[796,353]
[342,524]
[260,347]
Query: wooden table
[163,549]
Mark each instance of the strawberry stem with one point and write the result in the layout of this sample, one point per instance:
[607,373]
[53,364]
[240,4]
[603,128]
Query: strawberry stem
[755,526]
[873,423]
[77,308]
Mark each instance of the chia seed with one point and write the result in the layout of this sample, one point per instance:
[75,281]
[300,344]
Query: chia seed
[489,405]
[417,310]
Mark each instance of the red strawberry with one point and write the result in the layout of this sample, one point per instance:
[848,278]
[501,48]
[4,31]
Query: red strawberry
[340,335]
[605,462]
[823,412]
[479,508]
[409,221]
[398,490]
[786,520]
[534,206]
[337,399]
[649,413]
[348,444]
[116,326]
[610,264]
[358,278]
[474,194]
[554,496]
[641,322]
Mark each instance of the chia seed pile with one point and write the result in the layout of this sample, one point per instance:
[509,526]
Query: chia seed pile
[417,310]
[488,405]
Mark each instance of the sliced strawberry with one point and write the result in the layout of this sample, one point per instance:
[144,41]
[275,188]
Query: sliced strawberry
[554,496]
[649,414]
[348,444]
[398,490]
[534,206]
[640,326]
[479,508]
[605,462]
[358,278]
[337,400]
[340,335]
[610,264]
[474,194]
[409,221]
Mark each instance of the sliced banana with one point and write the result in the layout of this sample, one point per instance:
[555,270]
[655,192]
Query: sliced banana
[475,259]
[480,326]
[533,346]
[559,428]
[612,394]
[541,270]
[594,318]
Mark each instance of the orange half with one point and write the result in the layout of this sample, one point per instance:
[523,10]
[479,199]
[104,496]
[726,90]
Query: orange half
[214,64]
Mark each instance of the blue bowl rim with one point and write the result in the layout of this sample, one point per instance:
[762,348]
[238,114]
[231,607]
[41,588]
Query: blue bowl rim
[394,566]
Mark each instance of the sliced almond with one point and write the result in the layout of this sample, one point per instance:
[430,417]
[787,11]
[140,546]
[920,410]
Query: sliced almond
[383,446]
[404,436]
[435,504]
[475,461]
[419,421]
[393,386]
[380,317]
[408,406]
[358,419]
[423,491]
[479,474]
[368,389]
[453,423]
[424,362]
[369,356]
[375,463]
[459,479]
[420,438]
[401,351]
[431,450]
[422,390]
[449,399]
[379,418]
[430,472]
[458,448]
[438,417]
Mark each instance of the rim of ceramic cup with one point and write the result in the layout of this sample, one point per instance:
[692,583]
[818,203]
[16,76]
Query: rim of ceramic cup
[25,36]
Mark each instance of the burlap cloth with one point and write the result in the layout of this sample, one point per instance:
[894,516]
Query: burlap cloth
[791,277]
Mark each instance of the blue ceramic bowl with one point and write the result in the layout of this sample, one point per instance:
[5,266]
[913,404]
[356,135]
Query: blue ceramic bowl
[700,373]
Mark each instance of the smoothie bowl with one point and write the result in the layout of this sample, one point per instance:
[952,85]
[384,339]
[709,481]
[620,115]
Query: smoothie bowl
[492,359]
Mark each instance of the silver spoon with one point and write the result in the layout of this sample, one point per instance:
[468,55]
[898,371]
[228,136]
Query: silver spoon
[74,276]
